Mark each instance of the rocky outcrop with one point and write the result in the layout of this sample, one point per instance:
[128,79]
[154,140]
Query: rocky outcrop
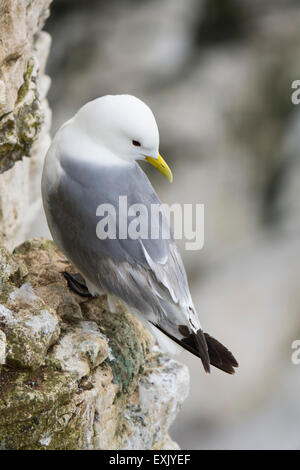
[24,113]
[74,375]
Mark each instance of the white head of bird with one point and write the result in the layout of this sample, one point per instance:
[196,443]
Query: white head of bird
[125,127]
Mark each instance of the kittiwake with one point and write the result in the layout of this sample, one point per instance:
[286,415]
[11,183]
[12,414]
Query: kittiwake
[91,163]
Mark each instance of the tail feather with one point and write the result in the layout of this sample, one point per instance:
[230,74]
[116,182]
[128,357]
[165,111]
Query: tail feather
[208,349]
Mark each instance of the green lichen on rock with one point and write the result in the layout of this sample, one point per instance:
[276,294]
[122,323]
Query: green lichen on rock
[30,331]
[8,266]
[128,355]
[31,404]
[127,351]
[20,127]
[24,88]
[73,374]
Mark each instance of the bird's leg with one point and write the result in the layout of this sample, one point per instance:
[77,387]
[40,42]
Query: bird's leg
[77,284]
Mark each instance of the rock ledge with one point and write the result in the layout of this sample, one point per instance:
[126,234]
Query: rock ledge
[74,375]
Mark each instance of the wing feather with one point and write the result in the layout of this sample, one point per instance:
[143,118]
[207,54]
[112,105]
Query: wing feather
[147,274]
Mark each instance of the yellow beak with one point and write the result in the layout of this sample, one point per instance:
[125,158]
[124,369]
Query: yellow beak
[161,165]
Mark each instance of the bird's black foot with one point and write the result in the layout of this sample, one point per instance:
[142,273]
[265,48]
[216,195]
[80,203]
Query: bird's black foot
[77,284]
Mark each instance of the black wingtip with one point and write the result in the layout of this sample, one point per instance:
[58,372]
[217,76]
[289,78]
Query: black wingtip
[201,346]
[194,343]
[220,356]
[207,348]
[214,354]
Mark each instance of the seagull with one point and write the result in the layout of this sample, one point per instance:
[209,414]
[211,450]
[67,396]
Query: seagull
[93,161]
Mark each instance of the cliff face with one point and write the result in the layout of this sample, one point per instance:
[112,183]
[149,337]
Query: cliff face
[24,113]
[74,375]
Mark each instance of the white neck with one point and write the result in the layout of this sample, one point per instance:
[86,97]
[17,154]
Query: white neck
[74,142]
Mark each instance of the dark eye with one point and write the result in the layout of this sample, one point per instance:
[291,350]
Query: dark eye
[136,143]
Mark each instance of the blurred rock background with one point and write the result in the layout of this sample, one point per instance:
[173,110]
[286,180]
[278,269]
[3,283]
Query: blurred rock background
[217,75]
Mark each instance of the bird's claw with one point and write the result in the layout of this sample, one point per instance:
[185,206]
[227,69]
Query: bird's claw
[77,284]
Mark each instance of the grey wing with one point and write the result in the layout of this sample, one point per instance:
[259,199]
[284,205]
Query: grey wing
[148,274]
